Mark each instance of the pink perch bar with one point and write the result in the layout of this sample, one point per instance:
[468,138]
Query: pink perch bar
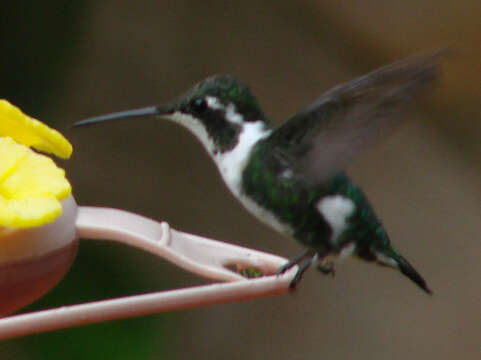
[206,257]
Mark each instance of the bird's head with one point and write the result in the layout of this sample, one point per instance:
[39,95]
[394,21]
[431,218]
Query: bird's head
[215,110]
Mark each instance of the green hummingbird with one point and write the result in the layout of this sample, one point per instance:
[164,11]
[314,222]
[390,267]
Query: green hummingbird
[290,176]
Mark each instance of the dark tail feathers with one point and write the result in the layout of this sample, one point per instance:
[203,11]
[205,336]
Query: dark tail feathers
[404,266]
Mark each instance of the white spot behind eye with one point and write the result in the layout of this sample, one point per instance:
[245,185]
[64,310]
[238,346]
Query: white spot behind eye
[214,103]
[231,113]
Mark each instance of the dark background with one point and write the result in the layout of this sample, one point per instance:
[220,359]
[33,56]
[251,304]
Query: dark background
[63,61]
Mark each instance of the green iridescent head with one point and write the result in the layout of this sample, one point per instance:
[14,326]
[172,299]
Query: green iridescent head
[228,90]
[215,110]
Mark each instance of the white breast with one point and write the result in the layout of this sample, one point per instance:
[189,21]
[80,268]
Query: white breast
[232,164]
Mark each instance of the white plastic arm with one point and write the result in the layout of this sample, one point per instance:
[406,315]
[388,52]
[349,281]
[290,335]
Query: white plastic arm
[206,257]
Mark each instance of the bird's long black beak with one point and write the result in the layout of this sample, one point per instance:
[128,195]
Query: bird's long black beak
[147,111]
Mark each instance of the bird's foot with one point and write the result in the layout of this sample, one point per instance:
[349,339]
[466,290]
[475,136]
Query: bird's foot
[303,266]
[326,267]
[294,261]
[303,260]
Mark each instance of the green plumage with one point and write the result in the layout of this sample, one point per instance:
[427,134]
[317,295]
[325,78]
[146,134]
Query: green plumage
[291,176]
[267,180]
[227,89]
[365,229]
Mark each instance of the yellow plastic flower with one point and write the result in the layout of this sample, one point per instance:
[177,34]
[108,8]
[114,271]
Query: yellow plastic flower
[31,185]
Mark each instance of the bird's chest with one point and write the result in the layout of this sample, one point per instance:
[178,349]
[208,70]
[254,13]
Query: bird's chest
[274,194]
[251,195]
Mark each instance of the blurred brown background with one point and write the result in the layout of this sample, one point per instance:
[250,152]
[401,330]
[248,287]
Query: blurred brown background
[424,181]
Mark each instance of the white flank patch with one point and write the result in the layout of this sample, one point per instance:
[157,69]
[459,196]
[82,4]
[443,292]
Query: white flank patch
[336,209]
[386,260]
[347,250]
[287,173]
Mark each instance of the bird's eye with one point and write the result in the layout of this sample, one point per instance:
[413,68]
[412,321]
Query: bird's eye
[199,105]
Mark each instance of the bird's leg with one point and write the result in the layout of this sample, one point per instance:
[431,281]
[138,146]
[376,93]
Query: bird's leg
[296,260]
[326,267]
[303,260]
[303,266]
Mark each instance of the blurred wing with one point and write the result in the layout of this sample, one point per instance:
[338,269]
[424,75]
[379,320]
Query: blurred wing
[322,139]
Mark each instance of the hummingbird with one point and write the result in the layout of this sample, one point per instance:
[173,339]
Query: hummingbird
[291,176]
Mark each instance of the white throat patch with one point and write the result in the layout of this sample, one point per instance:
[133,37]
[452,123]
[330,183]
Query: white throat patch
[232,163]
[195,127]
